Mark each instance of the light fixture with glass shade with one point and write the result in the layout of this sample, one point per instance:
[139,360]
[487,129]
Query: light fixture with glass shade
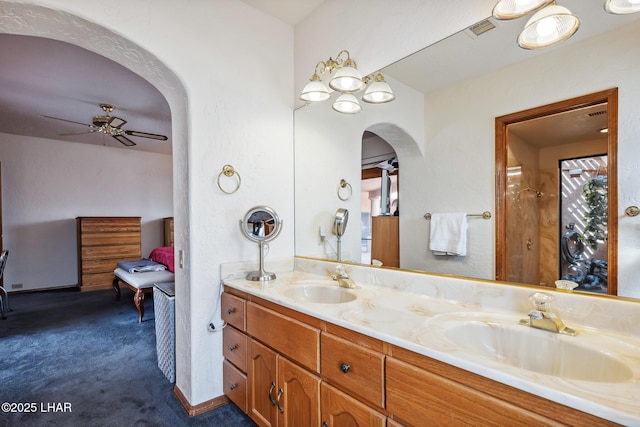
[512,9]
[347,104]
[622,7]
[379,91]
[547,27]
[346,80]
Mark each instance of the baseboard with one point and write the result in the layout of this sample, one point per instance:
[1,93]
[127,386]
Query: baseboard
[200,408]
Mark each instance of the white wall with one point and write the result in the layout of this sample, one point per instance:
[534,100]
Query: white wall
[227,72]
[47,184]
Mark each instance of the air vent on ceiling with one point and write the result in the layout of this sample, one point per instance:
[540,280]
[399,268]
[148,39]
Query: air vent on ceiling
[597,113]
[479,28]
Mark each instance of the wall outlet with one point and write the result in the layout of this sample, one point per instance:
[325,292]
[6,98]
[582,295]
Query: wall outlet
[322,231]
[16,286]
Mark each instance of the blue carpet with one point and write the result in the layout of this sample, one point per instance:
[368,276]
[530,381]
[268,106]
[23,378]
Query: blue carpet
[82,359]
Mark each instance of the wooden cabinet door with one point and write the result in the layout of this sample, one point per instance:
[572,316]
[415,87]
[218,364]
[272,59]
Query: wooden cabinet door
[341,410]
[262,377]
[298,399]
[385,240]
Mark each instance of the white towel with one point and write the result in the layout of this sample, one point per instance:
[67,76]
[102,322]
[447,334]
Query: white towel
[448,234]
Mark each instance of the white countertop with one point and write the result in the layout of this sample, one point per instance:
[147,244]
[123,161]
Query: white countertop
[416,322]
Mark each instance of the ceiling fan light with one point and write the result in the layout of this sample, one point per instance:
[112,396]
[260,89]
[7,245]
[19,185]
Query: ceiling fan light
[512,9]
[315,91]
[547,27]
[347,79]
[622,7]
[378,92]
[347,104]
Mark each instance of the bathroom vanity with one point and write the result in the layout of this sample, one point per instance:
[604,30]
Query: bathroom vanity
[398,350]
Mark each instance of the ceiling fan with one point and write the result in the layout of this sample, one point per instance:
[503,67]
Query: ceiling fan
[112,126]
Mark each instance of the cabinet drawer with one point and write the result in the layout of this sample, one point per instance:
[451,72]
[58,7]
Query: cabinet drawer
[339,409]
[234,384]
[102,239]
[108,224]
[233,309]
[235,347]
[290,337]
[122,252]
[415,395]
[353,368]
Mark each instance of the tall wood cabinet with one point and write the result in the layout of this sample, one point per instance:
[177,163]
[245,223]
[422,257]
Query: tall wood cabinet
[168,231]
[385,240]
[102,243]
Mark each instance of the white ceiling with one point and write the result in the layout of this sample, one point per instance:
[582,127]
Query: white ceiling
[289,11]
[46,77]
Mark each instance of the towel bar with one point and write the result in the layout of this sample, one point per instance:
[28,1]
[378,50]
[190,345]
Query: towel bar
[484,215]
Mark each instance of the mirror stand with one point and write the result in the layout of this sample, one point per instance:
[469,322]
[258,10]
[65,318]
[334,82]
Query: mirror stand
[261,225]
[261,275]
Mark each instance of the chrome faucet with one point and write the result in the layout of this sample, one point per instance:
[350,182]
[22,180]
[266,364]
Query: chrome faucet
[343,279]
[541,318]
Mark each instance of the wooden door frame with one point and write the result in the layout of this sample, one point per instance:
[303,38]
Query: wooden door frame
[609,96]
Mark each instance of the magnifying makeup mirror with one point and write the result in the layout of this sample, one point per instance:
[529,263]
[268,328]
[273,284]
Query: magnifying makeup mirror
[339,227]
[261,224]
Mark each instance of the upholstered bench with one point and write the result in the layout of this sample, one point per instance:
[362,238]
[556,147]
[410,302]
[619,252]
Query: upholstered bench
[141,283]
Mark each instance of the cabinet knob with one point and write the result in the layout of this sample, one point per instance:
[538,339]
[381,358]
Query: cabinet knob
[232,386]
[233,347]
[231,310]
[345,367]
[325,424]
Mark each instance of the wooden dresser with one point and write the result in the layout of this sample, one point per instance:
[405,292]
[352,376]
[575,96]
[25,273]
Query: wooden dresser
[102,243]
[168,231]
[385,240]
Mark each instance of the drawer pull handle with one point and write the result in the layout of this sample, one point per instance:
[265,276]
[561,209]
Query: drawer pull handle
[325,424]
[280,393]
[233,347]
[232,386]
[273,385]
[231,310]
[345,367]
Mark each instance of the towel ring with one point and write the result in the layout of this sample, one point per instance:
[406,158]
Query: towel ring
[229,171]
[344,184]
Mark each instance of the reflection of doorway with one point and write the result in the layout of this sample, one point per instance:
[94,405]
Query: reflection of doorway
[583,222]
[379,202]
[528,241]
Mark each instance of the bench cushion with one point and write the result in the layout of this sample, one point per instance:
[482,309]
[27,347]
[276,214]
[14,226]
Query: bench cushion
[144,279]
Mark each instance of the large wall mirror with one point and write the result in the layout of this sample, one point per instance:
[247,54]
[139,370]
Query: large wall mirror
[441,128]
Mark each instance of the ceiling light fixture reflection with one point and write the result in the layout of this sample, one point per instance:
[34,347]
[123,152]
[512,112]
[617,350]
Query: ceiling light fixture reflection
[512,9]
[622,7]
[345,79]
[547,27]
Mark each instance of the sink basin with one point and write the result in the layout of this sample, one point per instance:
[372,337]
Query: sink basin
[543,352]
[320,294]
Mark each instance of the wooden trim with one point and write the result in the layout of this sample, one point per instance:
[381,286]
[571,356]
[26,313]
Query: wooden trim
[609,96]
[200,408]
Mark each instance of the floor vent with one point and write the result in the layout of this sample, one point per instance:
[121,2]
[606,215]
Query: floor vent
[597,113]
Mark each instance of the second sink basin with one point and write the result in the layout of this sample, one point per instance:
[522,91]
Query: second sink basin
[506,342]
[320,294]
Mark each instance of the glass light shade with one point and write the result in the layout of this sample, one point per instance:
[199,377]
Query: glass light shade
[347,104]
[547,27]
[378,92]
[347,79]
[315,91]
[622,7]
[512,9]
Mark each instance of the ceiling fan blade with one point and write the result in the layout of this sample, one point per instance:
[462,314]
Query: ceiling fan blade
[65,120]
[76,133]
[116,122]
[124,140]
[146,135]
